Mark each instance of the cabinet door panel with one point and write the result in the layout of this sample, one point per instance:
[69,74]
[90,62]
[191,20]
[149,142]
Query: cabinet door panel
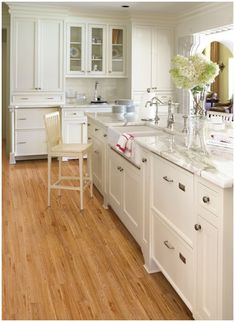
[97,163]
[162,55]
[115,182]
[74,132]
[24,55]
[141,58]
[131,200]
[50,55]
[30,142]
[207,263]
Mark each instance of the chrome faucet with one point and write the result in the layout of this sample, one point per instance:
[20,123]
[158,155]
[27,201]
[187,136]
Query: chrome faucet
[96,91]
[170,117]
[154,101]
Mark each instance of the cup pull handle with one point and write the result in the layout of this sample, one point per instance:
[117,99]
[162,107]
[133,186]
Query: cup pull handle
[168,245]
[167,179]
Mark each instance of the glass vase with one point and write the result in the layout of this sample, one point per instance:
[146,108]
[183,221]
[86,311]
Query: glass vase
[197,132]
[199,101]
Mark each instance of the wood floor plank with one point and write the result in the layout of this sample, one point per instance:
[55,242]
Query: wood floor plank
[61,263]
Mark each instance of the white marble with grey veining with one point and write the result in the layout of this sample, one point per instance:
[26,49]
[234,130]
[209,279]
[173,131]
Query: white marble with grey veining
[217,167]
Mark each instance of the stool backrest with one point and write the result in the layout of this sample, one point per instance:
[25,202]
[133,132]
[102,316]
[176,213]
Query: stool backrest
[52,125]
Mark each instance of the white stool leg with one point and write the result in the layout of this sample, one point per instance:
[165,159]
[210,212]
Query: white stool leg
[89,155]
[49,181]
[60,171]
[81,180]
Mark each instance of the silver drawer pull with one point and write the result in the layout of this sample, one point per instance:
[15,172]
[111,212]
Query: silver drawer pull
[182,258]
[96,130]
[181,186]
[24,98]
[74,113]
[168,245]
[50,98]
[22,119]
[105,135]
[95,151]
[206,199]
[21,142]
[144,160]
[119,168]
[166,179]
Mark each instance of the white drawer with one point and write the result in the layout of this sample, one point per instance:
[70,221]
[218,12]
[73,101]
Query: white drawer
[30,142]
[74,114]
[208,199]
[45,99]
[172,196]
[174,257]
[31,118]
[99,132]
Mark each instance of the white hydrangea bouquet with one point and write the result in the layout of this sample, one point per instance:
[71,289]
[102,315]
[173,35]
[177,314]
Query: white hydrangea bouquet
[194,73]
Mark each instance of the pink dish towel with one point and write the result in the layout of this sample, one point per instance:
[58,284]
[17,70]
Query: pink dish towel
[124,144]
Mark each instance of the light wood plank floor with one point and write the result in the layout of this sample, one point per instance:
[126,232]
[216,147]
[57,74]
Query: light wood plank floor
[59,263]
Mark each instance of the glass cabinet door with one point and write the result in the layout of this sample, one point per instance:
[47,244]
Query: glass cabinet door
[75,50]
[97,47]
[117,61]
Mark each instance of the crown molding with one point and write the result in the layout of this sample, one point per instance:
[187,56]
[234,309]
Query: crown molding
[205,9]
[28,9]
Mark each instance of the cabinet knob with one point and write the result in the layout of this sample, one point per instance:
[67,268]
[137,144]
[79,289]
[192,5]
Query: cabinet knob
[96,129]
[110,71]
[206,199]
[83,71]
[105,135]
[144,160]
[119,168]
[197,227]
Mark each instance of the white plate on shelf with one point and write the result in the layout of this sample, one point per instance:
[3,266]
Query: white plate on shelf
[116,53]
[74,52]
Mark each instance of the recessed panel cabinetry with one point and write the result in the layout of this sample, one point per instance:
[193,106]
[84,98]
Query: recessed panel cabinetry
[96,50]
[37,58]
[152,51]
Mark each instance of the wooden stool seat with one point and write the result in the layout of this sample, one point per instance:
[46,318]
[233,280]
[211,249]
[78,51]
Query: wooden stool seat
[56,148]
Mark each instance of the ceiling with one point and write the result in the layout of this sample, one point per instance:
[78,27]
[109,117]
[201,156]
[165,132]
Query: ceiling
[135,9]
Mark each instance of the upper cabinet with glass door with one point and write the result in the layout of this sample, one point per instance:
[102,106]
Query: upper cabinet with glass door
[75,49]
[117,51]
[96,49]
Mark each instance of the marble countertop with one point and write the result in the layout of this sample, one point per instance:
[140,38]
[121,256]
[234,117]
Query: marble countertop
[217,167]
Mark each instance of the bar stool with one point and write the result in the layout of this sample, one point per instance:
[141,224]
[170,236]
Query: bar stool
[58,149]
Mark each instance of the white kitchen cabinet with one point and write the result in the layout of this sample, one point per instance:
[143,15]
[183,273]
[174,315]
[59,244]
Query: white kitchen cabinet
[74,126]
[117,51]
[124,192]
[29,137]
[213,254]
[37,56]
[96,50]
[171,224]
[152,51]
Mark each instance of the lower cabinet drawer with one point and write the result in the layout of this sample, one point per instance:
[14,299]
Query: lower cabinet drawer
[40,99]
[30,142]
[174,258]
[31,118]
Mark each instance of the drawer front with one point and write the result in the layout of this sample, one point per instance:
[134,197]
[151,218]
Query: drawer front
[30,142]
[74,114]
[173,196]
[45,99]
[174,256]
[208,199]
[31,118]
[100,133]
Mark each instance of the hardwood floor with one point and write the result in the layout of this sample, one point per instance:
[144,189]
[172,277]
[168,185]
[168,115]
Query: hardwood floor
[59,263]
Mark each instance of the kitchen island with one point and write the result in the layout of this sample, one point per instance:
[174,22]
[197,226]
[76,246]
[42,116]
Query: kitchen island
[178,206]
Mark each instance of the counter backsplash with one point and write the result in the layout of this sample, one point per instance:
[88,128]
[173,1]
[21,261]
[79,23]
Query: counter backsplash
[109,89]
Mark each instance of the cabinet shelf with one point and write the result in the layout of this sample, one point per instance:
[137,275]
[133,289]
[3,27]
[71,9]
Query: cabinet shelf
[75,58]
[117,59]
[75,43]
[97,59]
[119,45]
